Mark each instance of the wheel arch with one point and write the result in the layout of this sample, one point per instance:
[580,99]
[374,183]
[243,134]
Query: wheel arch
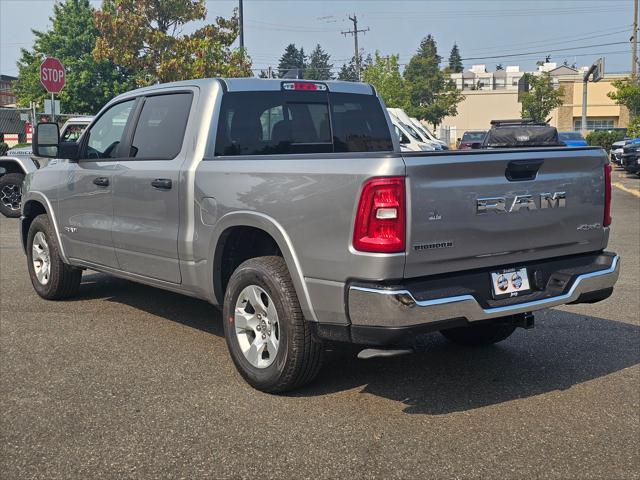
[265,229]
[17,165]
[34,204]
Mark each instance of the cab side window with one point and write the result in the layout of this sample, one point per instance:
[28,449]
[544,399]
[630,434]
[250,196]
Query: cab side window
[161,126]
[106,134]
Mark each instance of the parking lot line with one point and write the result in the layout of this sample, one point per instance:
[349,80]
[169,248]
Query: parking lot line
[632,191]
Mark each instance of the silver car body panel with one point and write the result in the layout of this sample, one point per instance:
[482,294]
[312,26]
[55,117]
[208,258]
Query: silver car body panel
[308,203]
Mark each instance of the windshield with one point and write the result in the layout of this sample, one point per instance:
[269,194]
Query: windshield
[411,131]
[570,136]
[73,132]
[473,136]
[422,128]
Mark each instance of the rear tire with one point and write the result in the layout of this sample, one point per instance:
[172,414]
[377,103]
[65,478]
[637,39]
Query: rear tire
[270,342]
[11,194]
[52,279]
[478,335]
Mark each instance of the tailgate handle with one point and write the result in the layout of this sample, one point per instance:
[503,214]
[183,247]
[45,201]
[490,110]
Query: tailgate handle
[520,170]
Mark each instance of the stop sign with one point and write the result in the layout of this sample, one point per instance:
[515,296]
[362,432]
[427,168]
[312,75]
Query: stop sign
[52,75]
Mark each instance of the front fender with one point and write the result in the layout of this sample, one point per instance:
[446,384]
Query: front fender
[246,218]
[26,165]
[28,198]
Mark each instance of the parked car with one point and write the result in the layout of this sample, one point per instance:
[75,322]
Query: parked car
[617,149]
[572,139]
[290,204]
[19,161]
[421,127]
[521,133]
[471,139]
[408,138]
[630,159]
[418,130]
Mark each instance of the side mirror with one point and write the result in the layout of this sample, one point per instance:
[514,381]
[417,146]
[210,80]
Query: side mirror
[47,144]
[46,139]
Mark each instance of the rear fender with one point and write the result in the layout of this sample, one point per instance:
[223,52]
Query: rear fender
[273,228]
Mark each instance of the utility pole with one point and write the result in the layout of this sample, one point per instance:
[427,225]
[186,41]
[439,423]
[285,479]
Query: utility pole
[634,43]
[241,21]
[355,32]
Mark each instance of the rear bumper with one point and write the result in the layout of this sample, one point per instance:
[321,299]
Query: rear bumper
[398,307]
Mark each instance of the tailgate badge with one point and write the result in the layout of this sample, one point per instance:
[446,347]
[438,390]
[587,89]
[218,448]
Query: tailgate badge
[435,216]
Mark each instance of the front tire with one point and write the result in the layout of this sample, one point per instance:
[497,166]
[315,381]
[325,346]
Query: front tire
[270,342]
[479,335]
[11,194]
[52,279]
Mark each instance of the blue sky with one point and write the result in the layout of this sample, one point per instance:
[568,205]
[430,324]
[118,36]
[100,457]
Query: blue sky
[529,29]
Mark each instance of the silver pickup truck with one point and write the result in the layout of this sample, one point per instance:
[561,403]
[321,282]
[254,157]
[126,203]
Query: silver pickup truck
[289,204]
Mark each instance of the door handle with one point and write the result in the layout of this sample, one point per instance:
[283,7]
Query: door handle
[101,181]
[161,184]
[520,170]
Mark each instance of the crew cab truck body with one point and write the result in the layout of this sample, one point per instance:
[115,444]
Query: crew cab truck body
[290,204]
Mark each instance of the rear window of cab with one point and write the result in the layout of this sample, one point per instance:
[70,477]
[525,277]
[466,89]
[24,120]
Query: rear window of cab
[289,122]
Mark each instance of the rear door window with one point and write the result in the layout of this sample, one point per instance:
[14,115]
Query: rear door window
[262,123]
[161,126]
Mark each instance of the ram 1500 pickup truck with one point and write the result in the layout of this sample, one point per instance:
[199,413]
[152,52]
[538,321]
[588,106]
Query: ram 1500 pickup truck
[290,204]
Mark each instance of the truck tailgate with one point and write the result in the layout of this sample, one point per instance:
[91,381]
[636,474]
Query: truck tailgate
[500,208]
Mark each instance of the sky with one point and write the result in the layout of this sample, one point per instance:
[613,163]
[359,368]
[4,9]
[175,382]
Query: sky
[511,32]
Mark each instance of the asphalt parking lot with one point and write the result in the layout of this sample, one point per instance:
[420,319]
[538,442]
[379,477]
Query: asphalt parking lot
[130,381]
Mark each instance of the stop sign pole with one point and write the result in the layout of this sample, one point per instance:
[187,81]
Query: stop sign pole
[52,77]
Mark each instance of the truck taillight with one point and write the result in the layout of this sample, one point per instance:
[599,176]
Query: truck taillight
[607,195]
[380,219]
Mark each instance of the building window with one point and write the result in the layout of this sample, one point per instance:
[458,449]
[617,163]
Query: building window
[484,83]
[594,124]
[499,83]
[468,84]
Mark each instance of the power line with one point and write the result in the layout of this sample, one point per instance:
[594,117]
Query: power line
[545,51]
[545,43]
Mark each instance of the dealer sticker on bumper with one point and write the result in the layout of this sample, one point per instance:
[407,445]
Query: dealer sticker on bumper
[510,283]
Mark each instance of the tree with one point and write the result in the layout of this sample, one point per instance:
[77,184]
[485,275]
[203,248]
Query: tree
[628,94]
[455,60]
[291,58]
[430,95]
[348,72]
[541,98]
[89,83]
[384,74]
[145,36]
[319,66]
[499,67]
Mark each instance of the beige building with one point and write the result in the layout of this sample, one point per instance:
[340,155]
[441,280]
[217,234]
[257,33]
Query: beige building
[494,96]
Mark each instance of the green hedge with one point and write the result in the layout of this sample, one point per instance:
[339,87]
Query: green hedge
[3,148]
[604,139]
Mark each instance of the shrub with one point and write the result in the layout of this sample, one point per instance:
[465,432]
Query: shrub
[634,128]
[3,148]
[604,138]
